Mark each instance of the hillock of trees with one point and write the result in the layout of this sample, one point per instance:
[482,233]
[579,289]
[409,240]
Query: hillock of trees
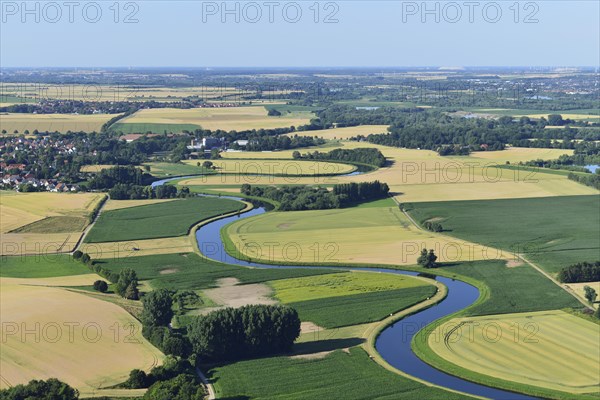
[297,198]
[249,331]
[580,272]
[370,156]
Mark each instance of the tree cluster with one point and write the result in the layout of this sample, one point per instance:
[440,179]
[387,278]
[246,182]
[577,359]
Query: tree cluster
[249,331]
[427,259]
[580,272]
[51,389]
[370,156]
[433,226]
[297,198]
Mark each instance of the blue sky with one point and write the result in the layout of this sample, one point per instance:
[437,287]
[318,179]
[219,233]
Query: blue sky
[358,33]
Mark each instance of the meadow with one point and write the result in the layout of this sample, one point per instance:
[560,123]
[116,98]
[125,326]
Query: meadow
[539,228]
[377,234]
[551,349]
[157,220]
[11,122]
[227,118]
[348,374]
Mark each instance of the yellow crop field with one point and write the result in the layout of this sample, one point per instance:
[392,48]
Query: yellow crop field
[133,248]
[94,92]
[35,223]
[342,284]
[344,133]
[118,204]
[423,175]
[37,243]
[377,235]
[578,289]
[96,342]
[227,118]
[19,209]
[550,349]
[278,167]
[10,122]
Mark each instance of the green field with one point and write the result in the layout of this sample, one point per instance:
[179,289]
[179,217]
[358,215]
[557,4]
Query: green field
[340,284]
[60,224]
[333,312]
[139,127]
[172,218]
[511,289]
[42,266]
[342,375]
[192,271]
[553,232]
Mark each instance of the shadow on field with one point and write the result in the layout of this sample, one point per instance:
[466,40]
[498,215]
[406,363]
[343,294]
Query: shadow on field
[325,345]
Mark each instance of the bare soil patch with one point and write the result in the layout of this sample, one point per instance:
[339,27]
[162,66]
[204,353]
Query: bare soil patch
[231,294]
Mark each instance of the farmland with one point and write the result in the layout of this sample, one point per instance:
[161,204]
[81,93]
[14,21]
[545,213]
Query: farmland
[339,284]
[230,118]
[552,349]
[344,133]
[376,235]
[62,123]
[137,248]
[348,374]
[510,288]
[538,228]
[338,311]
[192,271]
[89,364]
[420,175]
[36,223]
[157,220]
[278,167]
[350,298]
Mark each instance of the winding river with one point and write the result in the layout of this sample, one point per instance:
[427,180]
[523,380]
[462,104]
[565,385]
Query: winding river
[394,342]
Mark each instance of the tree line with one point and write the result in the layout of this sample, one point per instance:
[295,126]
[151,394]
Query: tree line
[370,156]
[297,198]
[580,272]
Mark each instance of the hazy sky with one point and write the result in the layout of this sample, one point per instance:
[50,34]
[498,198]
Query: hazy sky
[286,33]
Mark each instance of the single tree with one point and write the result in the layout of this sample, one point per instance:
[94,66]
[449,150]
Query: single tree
[101,286]
[590,294]
[158,308]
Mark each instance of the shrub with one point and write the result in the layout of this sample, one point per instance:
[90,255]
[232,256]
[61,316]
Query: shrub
[137,379]
[77,254]
[101,286]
